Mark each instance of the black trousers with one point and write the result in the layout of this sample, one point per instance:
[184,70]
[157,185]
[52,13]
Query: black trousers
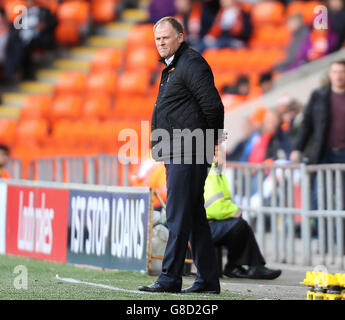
[186,220]
[239,239]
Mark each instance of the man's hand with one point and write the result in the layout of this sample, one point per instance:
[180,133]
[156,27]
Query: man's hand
[295,156]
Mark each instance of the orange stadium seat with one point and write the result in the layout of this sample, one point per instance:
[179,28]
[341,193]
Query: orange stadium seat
[305,9]
[268,12]
[7,131]
[52,5]
[134,82]
[222,79]
[103,11]
[107,58]
[32,131]
[71,82]
[74,11]
[36,106]
[142,58]
[141,35]
[72,17]
[133,106]
[104,81]
[97,106]
[67,106]
[67,33]
[12,8]
[270,36]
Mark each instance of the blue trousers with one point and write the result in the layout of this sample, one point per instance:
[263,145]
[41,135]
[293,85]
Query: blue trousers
[186,220]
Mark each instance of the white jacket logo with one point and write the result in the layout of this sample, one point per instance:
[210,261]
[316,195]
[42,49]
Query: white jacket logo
[35,232]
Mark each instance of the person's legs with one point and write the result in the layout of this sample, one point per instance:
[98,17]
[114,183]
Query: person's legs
[203,250]
[179,220]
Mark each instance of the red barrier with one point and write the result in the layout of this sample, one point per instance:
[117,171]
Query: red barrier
[36,222]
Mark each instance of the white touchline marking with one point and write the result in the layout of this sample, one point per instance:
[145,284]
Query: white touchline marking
[104,286]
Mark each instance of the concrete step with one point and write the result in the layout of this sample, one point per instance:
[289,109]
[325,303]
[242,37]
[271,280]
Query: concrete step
[14,99]
[83,53]
[134,15]
[50,76]
[72,64]
[9,112]
[116,29]
[34,87]
[104,41]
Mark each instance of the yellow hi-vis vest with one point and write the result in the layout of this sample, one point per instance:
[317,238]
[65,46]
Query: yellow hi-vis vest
[217,196]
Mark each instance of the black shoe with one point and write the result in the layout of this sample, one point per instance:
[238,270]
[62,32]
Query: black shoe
[236,272]
[157,287]
[197,288]
[261,272]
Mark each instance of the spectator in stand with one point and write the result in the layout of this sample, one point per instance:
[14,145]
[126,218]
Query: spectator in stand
[4,155]
[246,130]
[324,119]
[266,145]
[336,18]
[231,28]
[290,120]
[324,116]
[4,30]
[38,34]
[161,8]
[196,16]
[296,53]
[256,119]
[266,82]
[242,87]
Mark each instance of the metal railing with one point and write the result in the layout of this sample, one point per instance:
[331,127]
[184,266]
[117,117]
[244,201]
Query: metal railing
[297,211]
[101,169]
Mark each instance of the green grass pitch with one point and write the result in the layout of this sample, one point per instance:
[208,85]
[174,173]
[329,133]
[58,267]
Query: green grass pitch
[42,283]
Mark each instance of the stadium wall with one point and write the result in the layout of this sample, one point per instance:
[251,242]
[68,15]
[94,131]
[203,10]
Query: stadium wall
[107,227]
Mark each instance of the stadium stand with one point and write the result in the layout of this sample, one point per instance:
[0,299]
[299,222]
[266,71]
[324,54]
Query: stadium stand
[101,77]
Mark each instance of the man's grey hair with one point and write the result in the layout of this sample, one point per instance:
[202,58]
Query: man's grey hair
[177,25]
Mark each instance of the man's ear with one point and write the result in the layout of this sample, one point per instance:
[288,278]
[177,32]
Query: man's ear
[180,37]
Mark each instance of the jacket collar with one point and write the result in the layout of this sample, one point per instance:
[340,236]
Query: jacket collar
[177,54]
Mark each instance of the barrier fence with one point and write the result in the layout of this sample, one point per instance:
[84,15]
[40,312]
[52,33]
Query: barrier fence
[296,210]
[102,169]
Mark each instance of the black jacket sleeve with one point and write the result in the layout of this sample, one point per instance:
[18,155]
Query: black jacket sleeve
[307,128]
[200,82]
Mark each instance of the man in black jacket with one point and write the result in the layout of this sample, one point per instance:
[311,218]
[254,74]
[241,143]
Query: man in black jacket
[324,119]
[187,119]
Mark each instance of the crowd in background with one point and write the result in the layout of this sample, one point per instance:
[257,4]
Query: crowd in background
[268,134]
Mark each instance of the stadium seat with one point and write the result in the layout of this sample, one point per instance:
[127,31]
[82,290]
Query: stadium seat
[67,33]
[222,79]
[52,5]
[142,58]
[36,106]
[74,11]
[107,58]
[32,131]
[268,12]
[305,9]
[73,17]
[141,35]
[270,36]
[133,106]
[134,82]
[7,131]
[104,81]
[103,11]
[97,106]
[12,8]
[71,82]
[67,106]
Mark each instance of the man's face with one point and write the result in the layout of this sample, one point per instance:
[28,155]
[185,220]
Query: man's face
[337,75]
[3,158]
[167,40]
